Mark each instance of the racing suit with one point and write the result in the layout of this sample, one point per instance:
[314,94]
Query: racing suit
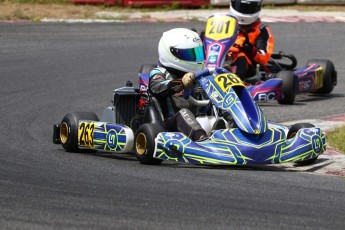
[245,55]
[166,86]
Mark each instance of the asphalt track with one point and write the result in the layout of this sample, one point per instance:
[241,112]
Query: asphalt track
[50,69]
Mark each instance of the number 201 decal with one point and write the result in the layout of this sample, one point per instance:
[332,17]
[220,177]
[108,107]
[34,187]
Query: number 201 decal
[220,27]
[227,80]
[85,134]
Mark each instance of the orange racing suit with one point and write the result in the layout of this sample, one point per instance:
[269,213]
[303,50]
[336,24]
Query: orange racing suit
[262,41]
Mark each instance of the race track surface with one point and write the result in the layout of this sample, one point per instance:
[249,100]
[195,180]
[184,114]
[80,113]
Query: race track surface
[50,69]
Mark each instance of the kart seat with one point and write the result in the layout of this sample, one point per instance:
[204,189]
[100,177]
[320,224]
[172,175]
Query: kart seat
[157,106]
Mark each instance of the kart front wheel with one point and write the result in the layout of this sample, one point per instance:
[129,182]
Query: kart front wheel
[69,129]
[145,143]
[292,133]
[329,75]
[289,92]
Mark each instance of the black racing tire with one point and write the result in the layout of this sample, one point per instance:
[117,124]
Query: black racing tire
[292,133]
[329,75]
[69,129]
[146,68]
[144,146]
[289,92]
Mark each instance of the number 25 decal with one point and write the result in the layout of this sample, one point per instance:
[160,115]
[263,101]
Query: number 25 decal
[85,134]
[227,80]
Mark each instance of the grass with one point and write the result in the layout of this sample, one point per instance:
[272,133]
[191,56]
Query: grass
[20,15]
[36,1]
[177,6]
[120,18]
[35,10]
[336,138]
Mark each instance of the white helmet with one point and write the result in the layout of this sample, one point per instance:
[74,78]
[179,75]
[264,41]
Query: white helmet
[181,49]
[245,11]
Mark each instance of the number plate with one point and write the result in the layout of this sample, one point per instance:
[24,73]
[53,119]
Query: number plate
[220,27]
[228,80]
[85,134]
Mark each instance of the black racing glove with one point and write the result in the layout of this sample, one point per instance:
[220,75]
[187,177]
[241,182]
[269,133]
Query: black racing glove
[249,49]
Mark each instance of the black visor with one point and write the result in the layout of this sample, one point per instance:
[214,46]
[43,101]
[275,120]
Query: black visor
[246,7]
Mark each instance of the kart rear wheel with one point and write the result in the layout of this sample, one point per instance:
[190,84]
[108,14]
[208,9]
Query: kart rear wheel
[292,133]
[289,92]
[329,75]
[145,143]
[69,129]
[146,68]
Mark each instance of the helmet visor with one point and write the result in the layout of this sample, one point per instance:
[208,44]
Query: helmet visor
[192,54]
[246,7]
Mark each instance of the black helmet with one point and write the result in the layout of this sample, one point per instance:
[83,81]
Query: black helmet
[245,11]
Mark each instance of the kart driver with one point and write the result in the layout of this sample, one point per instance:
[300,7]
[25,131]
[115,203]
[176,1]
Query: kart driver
[246,54]
[181,55]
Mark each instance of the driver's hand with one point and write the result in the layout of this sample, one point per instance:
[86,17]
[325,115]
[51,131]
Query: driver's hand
[249,49]
[188,80]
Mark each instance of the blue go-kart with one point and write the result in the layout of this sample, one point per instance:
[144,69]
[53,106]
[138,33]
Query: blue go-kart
[134,123]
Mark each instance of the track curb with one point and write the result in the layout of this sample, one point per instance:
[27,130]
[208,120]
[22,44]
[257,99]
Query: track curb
[267,15]
[331,162]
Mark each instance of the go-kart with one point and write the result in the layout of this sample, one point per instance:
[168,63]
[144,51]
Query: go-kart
[134,122]
[317,76]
